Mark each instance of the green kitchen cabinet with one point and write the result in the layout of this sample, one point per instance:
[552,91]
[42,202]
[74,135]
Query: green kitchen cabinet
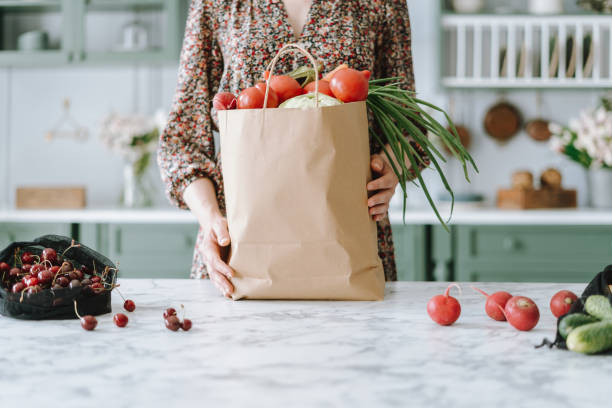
[531,253]
[410,243]
[11,231]
[147,250]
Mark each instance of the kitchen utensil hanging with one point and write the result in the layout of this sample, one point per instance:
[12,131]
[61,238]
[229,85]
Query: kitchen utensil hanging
[537,128]
[67,127]
[502,121]
[459,121]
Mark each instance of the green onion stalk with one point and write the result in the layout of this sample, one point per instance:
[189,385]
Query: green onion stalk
[399,113]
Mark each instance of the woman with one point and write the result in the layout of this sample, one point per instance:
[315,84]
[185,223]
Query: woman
[227,44]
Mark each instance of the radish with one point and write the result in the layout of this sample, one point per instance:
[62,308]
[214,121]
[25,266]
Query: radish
[521,312]
[444,309]
[562,302]
[491,306]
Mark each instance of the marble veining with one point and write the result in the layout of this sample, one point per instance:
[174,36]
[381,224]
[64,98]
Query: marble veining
[297,354]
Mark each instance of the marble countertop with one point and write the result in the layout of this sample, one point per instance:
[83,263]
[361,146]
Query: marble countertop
[472,216]
[297,354]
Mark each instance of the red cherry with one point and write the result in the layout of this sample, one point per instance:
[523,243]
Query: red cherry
[34,289]
[79,274]
[85,270]
[37,268]
[97,287]
[25,278]
[63,281]
[172,323]
[186,324]
[129,305]
[14,272]
[27,258]
[66,267]
[45,276]
[120,320]
[169,312]
[49,254]
[26,268]
[4,267]
[31,281]
[96,279]
[75,283]
[18,287]
[88,322]
[54,269]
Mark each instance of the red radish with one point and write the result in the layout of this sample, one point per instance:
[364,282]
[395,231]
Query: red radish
[444,309]
[521,312]
[323,88]
[350,85]
[498,298]
[562,302]
[272,96]
[224,101]
[285,87]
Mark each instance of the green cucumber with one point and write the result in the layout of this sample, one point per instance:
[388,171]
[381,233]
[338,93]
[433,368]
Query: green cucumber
[571,321]
[591,338]
[598,306]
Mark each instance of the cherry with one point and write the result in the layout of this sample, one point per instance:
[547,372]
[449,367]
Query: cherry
[34,289]
[97,287]
[31,281]
[4,267]
[18,287]
[54,270]
[26,268]
[85,270]
[169,312]
[186,324]
[45,276]
[27,258]
[57,286]
[86,282]
[120,320]
[72,276]
[63,281]
[88,322]
[75,283]
[25,278]
[96,279]
[129,305]
[87,290]
[37,268]
[172,323]
[14,272]
[49,254]
[79,274]
[66,267]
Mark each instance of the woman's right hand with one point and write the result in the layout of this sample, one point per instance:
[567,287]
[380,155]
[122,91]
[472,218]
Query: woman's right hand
[214,248]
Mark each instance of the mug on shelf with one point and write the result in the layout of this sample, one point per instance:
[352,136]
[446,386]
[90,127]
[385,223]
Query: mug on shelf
[32,41]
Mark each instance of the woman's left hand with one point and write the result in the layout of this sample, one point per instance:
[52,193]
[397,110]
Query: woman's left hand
[383,186]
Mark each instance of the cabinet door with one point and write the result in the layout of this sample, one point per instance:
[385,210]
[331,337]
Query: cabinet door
[410,252]
[10,232]
[532,253]
[151,251]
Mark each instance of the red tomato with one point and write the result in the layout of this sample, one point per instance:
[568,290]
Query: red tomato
[224,101]
[522,313]
[562,302]
[349,85]
[272,96]
[285,87]
[444,309]
[323,88]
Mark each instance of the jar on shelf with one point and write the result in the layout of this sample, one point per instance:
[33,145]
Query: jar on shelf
[545,6]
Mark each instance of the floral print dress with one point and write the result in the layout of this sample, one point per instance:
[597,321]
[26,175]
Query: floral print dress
[228,43]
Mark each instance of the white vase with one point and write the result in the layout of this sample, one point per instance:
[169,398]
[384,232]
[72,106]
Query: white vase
[546,6]
[600,188]
[468,6]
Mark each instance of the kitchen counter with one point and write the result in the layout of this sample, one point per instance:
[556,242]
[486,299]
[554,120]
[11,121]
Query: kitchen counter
[278,353]
[483,216]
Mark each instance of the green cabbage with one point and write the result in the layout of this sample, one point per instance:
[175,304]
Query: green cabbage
[308,101]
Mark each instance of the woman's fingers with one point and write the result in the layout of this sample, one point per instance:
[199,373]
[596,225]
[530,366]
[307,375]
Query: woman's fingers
[377,163]
[221,232]
[383,197]
[221,282]
[387,180]
[380,209]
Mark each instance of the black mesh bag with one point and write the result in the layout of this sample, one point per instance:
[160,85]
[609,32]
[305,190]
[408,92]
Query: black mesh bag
[57,303]
[600,285]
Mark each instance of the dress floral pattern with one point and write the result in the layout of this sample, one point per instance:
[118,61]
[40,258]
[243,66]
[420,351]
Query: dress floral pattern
[228,43]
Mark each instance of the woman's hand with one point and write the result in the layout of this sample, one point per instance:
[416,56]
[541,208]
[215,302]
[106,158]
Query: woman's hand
[383,185]
[201,200]
[214,248]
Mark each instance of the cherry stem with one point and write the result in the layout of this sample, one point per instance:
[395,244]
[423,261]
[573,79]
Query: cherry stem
[449,287]
[22,293]
[72,245]
[482,292]
[75,310]
[182,312]
[47,261]
[17,257]
[120,294]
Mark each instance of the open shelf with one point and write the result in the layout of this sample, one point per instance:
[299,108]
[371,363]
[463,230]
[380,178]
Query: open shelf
[526,51]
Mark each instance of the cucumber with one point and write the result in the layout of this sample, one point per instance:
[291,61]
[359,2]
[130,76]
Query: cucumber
[591,338]
[571,321]
[598,306]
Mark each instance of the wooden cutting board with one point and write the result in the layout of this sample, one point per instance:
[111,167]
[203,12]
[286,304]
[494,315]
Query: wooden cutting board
[517,199]
[50,197]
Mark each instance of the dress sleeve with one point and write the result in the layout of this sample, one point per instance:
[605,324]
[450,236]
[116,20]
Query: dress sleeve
[394,54]
[186,147]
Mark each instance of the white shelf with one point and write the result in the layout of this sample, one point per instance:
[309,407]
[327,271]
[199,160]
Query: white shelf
[527,51]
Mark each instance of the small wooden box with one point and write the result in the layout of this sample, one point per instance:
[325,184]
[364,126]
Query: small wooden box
[50,198]
[517,199]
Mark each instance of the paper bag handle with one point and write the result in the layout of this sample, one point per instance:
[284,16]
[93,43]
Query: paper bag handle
[285,50]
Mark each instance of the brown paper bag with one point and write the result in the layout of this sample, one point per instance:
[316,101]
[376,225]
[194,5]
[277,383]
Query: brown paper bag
[296,200]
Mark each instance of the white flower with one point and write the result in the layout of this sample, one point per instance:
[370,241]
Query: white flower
[125,135]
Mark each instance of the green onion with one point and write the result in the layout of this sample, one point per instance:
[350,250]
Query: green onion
[398,114]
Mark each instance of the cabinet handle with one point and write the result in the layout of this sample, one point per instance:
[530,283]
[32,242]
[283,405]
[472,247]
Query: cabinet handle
[510,244]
